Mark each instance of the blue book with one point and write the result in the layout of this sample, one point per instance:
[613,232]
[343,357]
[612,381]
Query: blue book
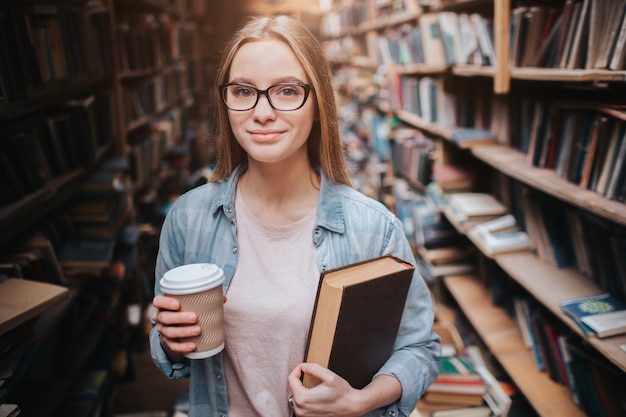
[602,314]
[466,137]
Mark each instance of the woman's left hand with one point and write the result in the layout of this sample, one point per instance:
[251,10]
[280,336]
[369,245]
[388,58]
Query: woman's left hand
[333,397]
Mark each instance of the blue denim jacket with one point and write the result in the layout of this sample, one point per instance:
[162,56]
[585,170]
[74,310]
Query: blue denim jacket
[350,227]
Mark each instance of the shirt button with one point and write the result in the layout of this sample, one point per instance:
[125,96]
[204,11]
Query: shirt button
[391,414]
[229,209]
[218,377]
[317,231]
[324,267]
[235,249]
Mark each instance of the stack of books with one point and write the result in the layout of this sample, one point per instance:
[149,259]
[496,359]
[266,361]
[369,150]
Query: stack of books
[453,178]
[458,386]
[470,209]
[500,235]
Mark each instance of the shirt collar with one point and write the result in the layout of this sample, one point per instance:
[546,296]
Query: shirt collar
[330,213]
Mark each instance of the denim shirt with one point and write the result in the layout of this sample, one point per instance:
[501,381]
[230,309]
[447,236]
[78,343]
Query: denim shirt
[349,227]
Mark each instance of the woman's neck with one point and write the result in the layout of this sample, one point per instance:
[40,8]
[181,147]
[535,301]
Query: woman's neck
[280,196]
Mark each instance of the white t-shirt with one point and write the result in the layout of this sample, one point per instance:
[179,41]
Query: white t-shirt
[268,312]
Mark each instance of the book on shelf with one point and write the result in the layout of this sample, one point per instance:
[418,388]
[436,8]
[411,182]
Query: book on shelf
[83,113]
[475,207]
[466,137]
[447,254]
[453,178]
[456,399]
[22,300]
[356,318]
[483,26]
[618,56]
[431,271]
[46,251]
[605,22]
[427,408]
[9,410]
[457,368]
[451,341]
[86,253]
[432,42]
[500,235]
[458,386]
[603,314]
[470,51]
[598,383]
[451,37]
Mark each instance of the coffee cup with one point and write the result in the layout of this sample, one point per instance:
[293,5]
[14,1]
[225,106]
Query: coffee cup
[199,288]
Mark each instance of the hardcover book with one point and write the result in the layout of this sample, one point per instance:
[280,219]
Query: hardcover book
[500,235]
[356,318]
[22,300]
[466,137]
[475,207]
[603,314]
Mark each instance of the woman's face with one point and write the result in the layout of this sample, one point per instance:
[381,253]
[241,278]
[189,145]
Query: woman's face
[266,134]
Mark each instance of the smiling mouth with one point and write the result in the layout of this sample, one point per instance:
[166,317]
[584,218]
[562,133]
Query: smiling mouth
[265,135]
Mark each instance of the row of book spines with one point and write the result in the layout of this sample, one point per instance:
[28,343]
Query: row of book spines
[149,148]
[583,34]
[592,381]
[582,143]
[426,98]
[38,49]
[353,15]
[40,150]
[152,95]
[568,237]
[142,44]
[412,159]
[436,39]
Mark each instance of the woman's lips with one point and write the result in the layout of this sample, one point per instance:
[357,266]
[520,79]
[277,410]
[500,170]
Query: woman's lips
[265,135]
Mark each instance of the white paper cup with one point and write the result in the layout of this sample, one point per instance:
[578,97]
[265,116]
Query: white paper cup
[198,287]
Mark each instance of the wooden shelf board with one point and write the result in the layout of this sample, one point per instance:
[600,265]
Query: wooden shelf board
[463,4]
[385,22]
[421,69]
[514,164]
[572,75]
[502,337]
[420,123]
[550,285]
[473,70]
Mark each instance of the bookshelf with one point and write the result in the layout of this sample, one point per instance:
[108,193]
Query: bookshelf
[529,104]
[94,97]
[502,337]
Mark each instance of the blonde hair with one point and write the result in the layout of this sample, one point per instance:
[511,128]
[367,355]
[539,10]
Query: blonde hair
[324,143]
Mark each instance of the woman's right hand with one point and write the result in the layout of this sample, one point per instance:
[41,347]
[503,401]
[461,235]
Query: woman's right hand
[174,325]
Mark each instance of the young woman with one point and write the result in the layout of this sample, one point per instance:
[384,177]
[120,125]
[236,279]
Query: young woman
[279,210]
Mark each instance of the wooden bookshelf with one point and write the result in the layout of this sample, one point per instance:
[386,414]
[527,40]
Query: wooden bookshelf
[502,337]
[564,78]
[569,75]
[550,285]
[514,164]
[62,117]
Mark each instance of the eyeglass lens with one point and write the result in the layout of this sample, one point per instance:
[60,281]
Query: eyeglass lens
[285,96]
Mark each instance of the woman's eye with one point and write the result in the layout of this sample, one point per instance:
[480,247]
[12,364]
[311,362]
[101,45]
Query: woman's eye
[244,92]
[289,91]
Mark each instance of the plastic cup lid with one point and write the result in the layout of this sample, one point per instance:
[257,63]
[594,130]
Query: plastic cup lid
[191,278]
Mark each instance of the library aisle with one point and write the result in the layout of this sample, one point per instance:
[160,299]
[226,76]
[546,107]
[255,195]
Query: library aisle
[494,129]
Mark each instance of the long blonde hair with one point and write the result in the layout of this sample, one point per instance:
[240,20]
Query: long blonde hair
[324,143]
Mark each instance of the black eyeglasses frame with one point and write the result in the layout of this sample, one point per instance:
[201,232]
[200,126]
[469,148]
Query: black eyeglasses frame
[259,93]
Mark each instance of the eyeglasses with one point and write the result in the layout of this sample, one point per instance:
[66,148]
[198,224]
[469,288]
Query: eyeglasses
[282,97]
